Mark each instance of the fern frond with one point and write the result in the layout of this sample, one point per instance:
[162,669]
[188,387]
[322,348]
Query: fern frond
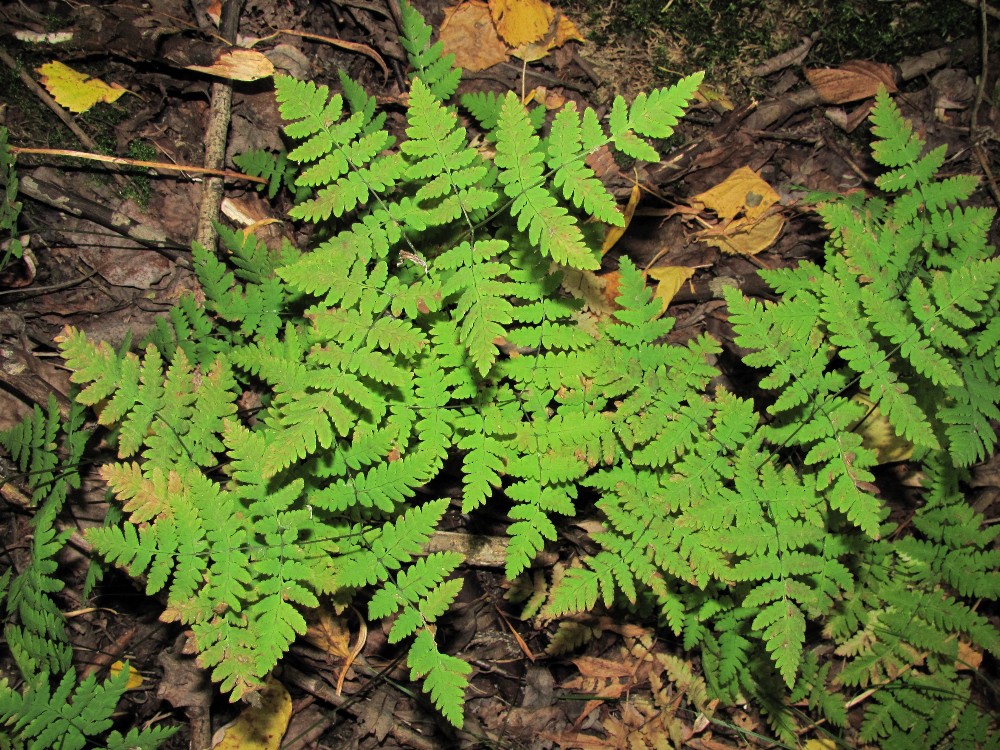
[549,225]
[897,145]
[446,677]
[430,64]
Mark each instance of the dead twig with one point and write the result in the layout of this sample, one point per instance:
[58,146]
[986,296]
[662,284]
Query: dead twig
[794,56]
[216,137]
[163,166]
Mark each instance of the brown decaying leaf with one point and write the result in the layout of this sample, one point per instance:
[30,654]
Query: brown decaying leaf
[852,81]
[468,32]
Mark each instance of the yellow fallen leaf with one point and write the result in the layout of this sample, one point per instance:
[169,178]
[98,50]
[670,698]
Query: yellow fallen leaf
[468,32]
[135,680]
[521,22]
[74,90]
[746,238]
[742,192]
[669,281]
[614,234]
[238,65]
[743,203]
[566,31]
[259,727]
[561,31]
[820,745]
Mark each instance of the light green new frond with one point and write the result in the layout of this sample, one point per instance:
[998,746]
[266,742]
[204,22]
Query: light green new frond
[482,468]
[384,486]
[913,174]
[356,187]
[549,225]
[392,545]
[445,677]
[309,107]
[571,172]
[577,591]
[96,365]
[841,310]
[413,584]
[639,323]
[655,114]
[227,645]
[897,145]
[482,307]
[453,174]
[306,422]
[889,317]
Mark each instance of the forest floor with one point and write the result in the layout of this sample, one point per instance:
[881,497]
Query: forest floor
[788,88]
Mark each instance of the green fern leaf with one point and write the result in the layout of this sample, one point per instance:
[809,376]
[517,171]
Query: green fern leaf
[445,677]
[783,627]
[898,144]
[430,64]
[550,226]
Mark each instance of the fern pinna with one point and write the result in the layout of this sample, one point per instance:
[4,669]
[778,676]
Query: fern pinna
[429,322]
[49,706]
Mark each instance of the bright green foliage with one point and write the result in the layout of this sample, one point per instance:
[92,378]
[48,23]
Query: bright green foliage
[51,708]
[428,323]
[71,716]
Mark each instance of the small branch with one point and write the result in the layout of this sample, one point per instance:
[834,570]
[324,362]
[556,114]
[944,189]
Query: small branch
[162,166]
[986,8]
[787,59]
[216,137]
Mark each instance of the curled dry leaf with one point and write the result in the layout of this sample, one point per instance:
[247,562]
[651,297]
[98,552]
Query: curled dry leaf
[852,81]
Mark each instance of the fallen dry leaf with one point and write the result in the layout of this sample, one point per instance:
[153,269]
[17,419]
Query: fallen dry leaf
[852,81]
[669,281]
[259,727]
[521,22]
[238,65]
[468,32]
[743,203]
[613,234]
[74,90]
[561,31]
